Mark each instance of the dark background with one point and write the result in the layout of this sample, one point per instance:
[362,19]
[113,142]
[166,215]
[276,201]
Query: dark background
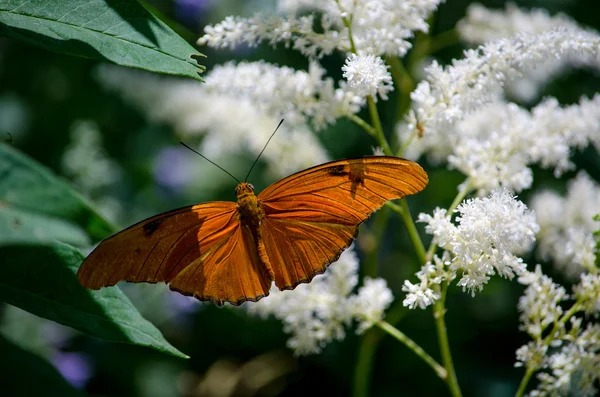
[43,94]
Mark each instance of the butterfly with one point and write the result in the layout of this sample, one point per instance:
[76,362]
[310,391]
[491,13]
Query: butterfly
[224,251]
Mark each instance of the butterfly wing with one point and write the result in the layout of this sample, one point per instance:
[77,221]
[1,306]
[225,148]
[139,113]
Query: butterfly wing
[313,215]
[201,250]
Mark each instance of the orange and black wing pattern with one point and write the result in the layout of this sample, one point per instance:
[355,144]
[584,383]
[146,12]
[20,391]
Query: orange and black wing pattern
[312,216]
[202,251]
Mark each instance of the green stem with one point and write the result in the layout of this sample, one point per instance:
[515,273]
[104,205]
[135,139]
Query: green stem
[364,363]
[366,126]
[523,385]
[396,333]
[377,124]
[413,234]
[443,40]
[367,349]
[439,312]
[369,265]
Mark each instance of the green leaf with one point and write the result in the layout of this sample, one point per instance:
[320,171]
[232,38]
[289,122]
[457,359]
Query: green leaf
[36,205]
[18,226]
[119,31]
[27,374]
[42,279]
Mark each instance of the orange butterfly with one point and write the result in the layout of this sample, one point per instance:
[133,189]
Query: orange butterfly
[231,252]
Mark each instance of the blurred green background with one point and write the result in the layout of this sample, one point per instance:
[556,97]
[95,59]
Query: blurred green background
[57,112]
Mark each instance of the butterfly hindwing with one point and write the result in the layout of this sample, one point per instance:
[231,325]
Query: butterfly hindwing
[313,215]
[230,272]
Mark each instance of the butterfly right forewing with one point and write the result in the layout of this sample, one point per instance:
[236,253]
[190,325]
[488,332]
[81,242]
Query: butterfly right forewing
[311,217]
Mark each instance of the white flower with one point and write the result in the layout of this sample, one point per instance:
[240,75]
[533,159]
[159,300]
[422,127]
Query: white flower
[482,25]
[423,293]
[379,27]
[496,145]
[383,27]
[368,75]
[531,355]
[291,31]
[566,225]
[588,293]
[451,93]
[297,96]
[370,303]
[540,303]
[316,313]
[575,366]
[490,230]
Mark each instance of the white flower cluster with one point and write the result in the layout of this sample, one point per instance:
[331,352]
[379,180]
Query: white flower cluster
[496,145]
[482,25]
[368,75]
[379,27]
[451,93]
[490,231]
[316,313]
[426,292]
[575,353]
[567,225]
[294,95]
[540,303]
[229,121]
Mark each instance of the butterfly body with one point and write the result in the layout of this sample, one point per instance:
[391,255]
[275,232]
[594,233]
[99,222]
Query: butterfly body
[250,210]
[232,252]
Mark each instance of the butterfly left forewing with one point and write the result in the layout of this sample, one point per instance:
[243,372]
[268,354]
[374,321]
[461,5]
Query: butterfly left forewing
[200,250]
[313,215]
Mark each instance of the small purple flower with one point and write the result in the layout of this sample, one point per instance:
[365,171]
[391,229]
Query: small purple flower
[74,366]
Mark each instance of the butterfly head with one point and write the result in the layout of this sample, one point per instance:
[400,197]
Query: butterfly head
[244,189]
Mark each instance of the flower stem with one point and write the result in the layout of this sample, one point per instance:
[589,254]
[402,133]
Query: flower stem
[415,238]
[443,40]
[366,126]
[438,313]
[364,363]
[378,129]
[524,382]
[396,333]
[379,224]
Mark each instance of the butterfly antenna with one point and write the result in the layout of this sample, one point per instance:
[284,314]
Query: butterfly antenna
[210,161]
[261,152]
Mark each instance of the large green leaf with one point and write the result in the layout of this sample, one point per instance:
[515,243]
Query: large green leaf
[119,31]
[17,226]
[36,205]
[23,373]
[42,279]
